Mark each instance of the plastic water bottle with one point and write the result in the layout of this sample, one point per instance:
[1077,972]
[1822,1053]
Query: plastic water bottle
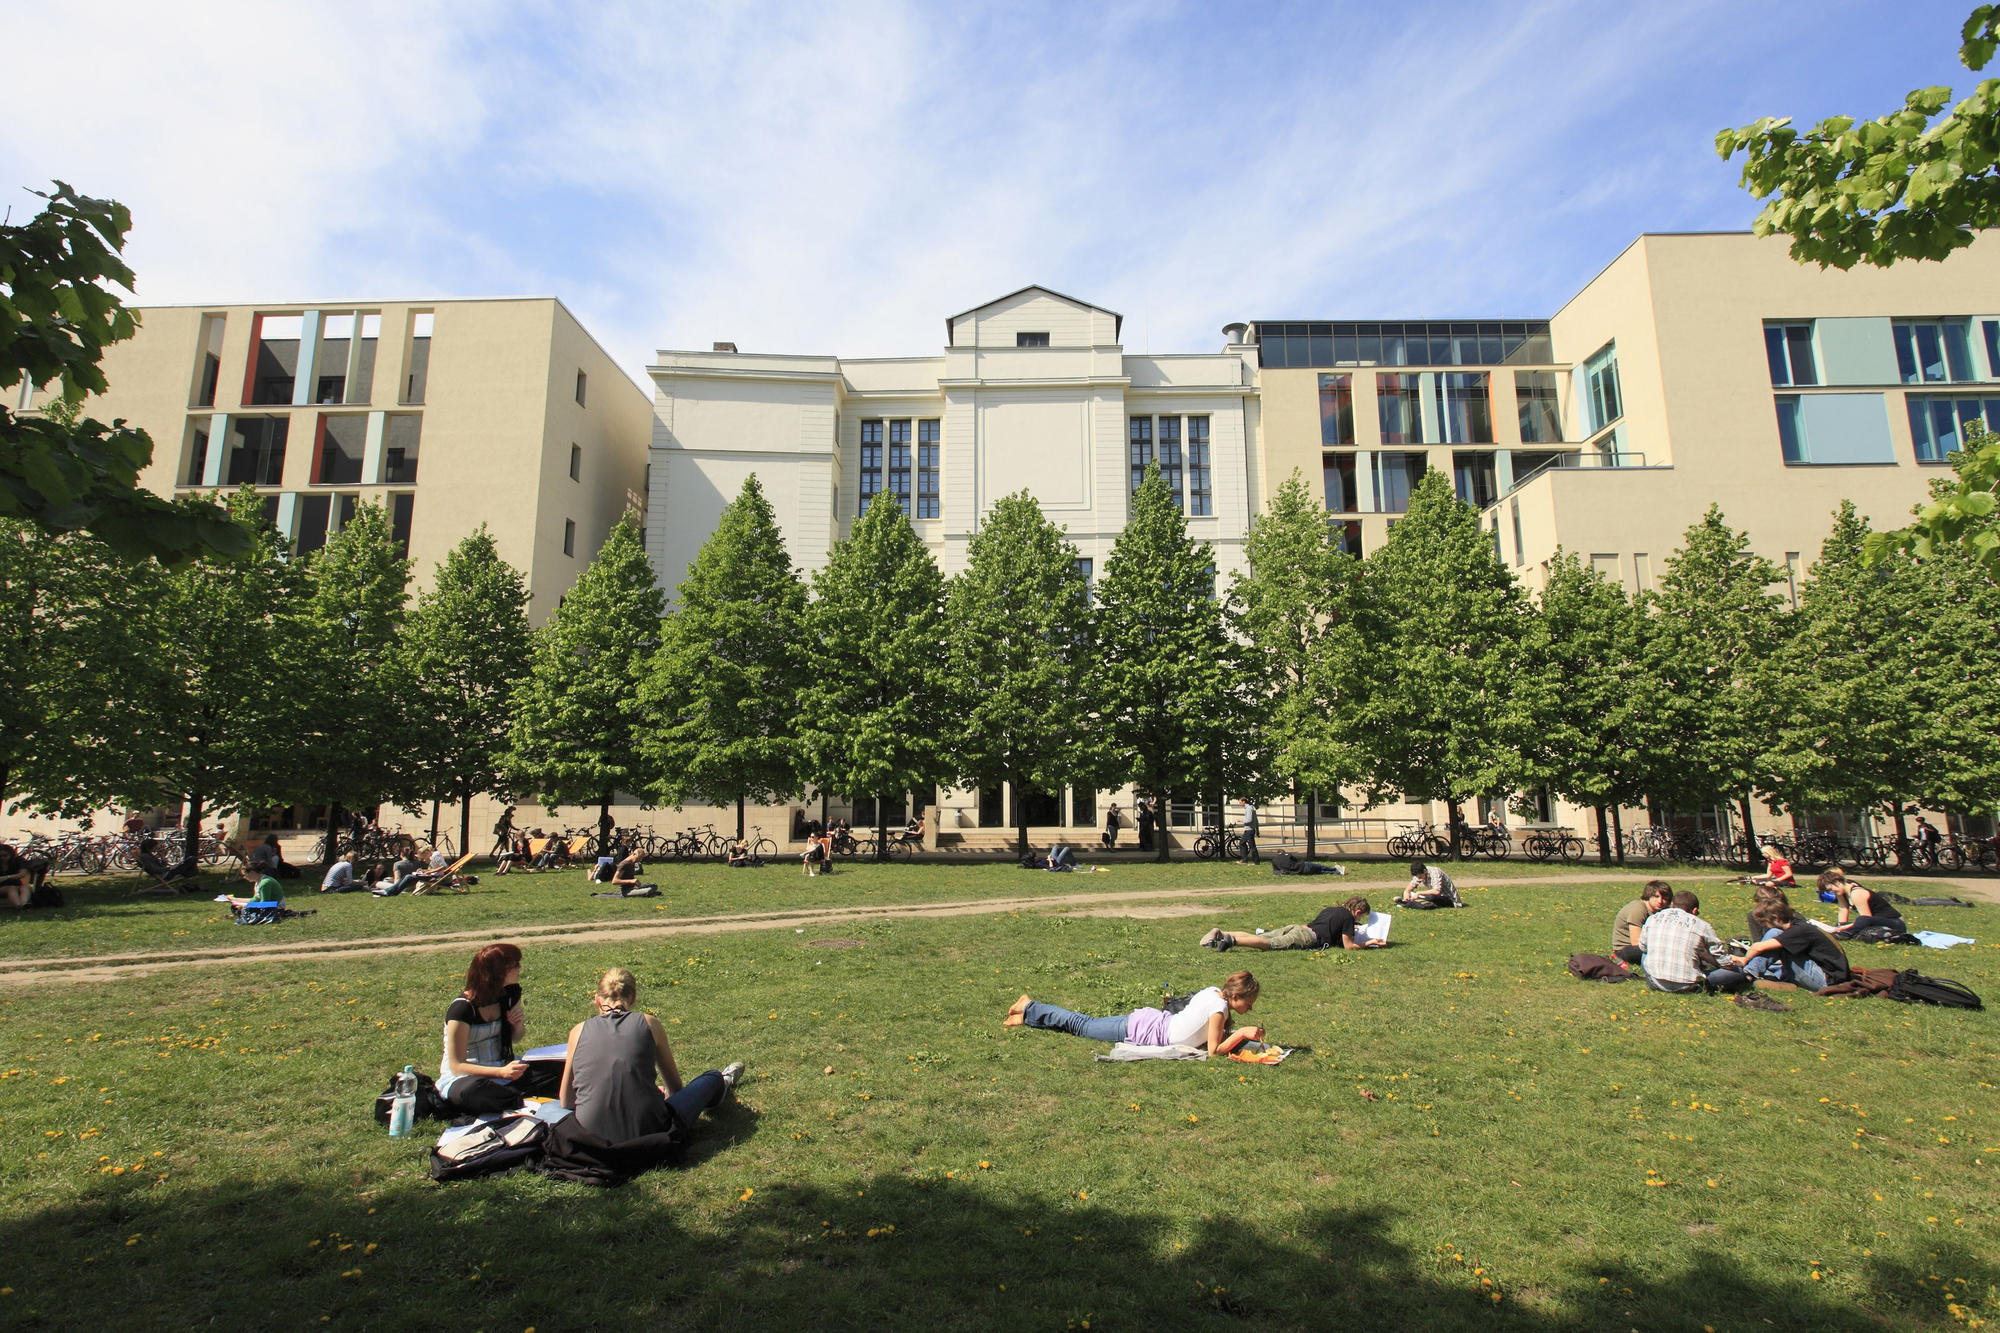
[403,1108]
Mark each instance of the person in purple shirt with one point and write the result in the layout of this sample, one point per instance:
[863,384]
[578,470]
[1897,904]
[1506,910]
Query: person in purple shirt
[1202,1022]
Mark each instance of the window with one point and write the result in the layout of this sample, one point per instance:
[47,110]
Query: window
[1791,432]
[1346,537]
[1141,449]
[1938,424]
[400,436]
[338,450]
[1201,499]
[1474,477]
[927,469]
[569,537]
[1169,452]
[401,508]
[208,364]
[1031,340]
[1541,410]
[1336,409]
[196,450]
[1465,412]
[1520,547]
[274,359]
[256,451]
[1082,807]
[1400,409]
[1834,429]
[582,382]
[899,463]
[1789,349]
[575,463]
[1338,472]
[1459,343]
[1396,475]
[315,512]
[1991,328]
[1086,569]
[871,463]
[1933,351]
[1606,404]
[417,357]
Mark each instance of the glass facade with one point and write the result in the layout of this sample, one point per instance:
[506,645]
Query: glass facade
[1540,404]
[1464,408]
[1789,349]
[1938,425]
[927,469]
[1399,409]
[1933,351]
[1606,402]
[1396,475]
[1791,431]
[1457,343]
[1336,409]
[871,463]
[1201,498]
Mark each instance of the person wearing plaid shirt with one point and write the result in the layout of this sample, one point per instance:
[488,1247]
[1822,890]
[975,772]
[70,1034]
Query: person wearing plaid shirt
[1674,940]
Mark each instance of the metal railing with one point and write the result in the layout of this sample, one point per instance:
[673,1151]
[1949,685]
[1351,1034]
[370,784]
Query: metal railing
[1622,458]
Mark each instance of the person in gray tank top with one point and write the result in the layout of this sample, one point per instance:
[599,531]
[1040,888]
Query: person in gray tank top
[615,1063]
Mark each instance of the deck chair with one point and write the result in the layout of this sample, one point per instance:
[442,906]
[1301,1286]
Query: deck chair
[446,880]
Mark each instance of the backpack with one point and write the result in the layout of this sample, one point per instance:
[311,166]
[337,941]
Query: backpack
[1912,987]
[1596,967]
[490,1147]
[45,895]
[1882,934]
[430,1105]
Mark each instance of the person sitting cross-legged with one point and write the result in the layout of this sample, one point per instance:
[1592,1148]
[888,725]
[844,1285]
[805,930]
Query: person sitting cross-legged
[1793,953]
[1429,887]
[1632,917]
[615,1063]
[1681,952]
[341,876]
[19,876]
[1335,925]
[266,889]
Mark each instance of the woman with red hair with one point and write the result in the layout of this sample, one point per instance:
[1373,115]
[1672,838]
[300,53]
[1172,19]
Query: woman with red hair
[481,1027]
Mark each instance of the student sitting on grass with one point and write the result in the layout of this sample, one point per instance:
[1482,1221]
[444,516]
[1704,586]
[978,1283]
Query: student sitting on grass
[738,854]
[517,854]
[1334,925]
[340,877]
[267,890]
[269,858]
[156,865]
[481,1028]
[1656,896]
[19,877]
[625,876]
[1869,908]
[1428,887]
[612,1064]
[1683,953]
[1203,1022]
[1777,870]
[1793,953]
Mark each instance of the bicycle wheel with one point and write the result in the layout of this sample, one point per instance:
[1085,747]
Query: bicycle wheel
[1572,849]
[1399,846]
[1437,848]
[1950,857]
[764,849]
[1205,848]
[1496,847]
[899,850]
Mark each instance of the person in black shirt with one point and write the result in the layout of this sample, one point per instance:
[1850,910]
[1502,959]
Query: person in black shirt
[1808,957]
[1333,926]
[19,877]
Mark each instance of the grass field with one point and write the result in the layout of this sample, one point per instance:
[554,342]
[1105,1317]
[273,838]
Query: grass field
[1533,1152]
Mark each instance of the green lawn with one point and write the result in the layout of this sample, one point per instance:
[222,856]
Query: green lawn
[197,1149]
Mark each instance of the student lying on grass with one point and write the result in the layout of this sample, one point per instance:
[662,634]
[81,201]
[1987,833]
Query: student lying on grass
[613,1060]
[1334,925]
[1203,1022]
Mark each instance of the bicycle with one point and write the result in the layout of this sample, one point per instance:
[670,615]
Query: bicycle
[1213,843]
[1553,844]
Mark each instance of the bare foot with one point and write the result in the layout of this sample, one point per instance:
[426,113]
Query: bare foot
[1014,1017]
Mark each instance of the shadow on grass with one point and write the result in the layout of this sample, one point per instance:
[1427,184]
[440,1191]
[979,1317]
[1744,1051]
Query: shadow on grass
[673,1249]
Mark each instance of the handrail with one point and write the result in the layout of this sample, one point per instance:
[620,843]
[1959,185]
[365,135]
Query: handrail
[1626,458]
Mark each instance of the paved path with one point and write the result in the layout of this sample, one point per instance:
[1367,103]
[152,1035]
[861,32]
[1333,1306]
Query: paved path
[16,972]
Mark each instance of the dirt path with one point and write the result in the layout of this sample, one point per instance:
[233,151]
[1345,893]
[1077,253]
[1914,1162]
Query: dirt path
[1142,903]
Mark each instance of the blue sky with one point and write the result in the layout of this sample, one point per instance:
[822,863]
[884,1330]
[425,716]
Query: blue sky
[837,178]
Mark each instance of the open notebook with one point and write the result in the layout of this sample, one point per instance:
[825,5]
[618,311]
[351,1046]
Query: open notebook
[1374,927]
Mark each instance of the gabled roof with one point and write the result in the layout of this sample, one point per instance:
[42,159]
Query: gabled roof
[1118,320]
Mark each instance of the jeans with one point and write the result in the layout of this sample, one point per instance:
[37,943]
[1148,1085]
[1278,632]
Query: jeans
[1723,979]
[1860,923]
[1805,974]
[700,1093]
[1250,845]
[1039,1015]
[1767,966]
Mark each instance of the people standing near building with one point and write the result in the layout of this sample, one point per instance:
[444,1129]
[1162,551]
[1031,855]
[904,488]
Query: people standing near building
[1143,819]
[1111,823]
[1632,917]
[503,832]
[1249,834]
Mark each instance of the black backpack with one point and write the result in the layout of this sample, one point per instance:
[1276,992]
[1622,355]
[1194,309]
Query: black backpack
[1882,933]
[1284,863]
[430,1104]
[1913,987]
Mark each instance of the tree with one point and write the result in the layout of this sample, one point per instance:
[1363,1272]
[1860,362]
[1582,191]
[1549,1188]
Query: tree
[1292,603]
[1018,642]
[1714,622]
[1963,515]
[468,648]
[1428,677]
[721,695]
[1877,191]
[576,720]
[872,707]
[216,713]
[1175,698]
[1881,694]
[1590,726]
[61,472]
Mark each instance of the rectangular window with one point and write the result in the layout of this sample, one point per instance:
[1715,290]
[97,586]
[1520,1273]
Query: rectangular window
[1398,404]
[1142,449]
[1082,807]
[1474,477]
[1789,349]
[1338,473]
[1991,328]
[927,469]
[337,457]
[1201,496]
[569,537]
[1396,475]
[1346,537]
[899,463]
[1535,394]
[208,363]
[1933,351]
[1938,424]
[1086,569]
[417,357]
[1031,340]
[1791,431]
[1520,547]
[274,359]
[1336,409]
[336,340]
[871,463]
[195,450]
[400,437]
[1464,408]
[1169,442]
[1606,403]
[401,509]
[256,451]
[582,381]
[575,463]
[315,512]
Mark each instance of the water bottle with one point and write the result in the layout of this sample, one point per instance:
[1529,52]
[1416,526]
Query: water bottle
[403,1108]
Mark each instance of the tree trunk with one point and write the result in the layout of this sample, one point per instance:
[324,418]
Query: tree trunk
[1020,821]
[881,827]
[823,810]
[1451,817]
[434,825]
[1750,833]
[465,817]
[1160,804]
[1897,810]
[1603,845]
[1312,823]
[1618,831]
[191,835]
[332,852]
[739,819]
[604,825]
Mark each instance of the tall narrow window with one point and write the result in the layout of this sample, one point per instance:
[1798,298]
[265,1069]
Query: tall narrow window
[361,361]
[1169,444]
[1991,328]
[401,436]
[1201,498]
[197,450]
[1400,408]
[1606,403]
[274,359]
[582,382]
[1465,412]
[336,341]
[1789,349]
[899,463]
[1142,449]
[1520,547]
[575,463]
[1086,569]
[1336,409]
[871,463]
[1541,410]
[315,512]
[417,357]
[401,509]
[569,536]
[208,366]
[1338,472]
[1933,351]
[1474,478]
[1791,430]
[927,469]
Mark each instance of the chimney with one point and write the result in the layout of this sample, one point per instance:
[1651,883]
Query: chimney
[724,347]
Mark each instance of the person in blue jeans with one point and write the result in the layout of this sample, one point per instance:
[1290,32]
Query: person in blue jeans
[1793,952]
[616,1062]
[1203,1021]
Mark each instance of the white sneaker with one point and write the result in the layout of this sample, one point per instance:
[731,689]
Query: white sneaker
[732,1074]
